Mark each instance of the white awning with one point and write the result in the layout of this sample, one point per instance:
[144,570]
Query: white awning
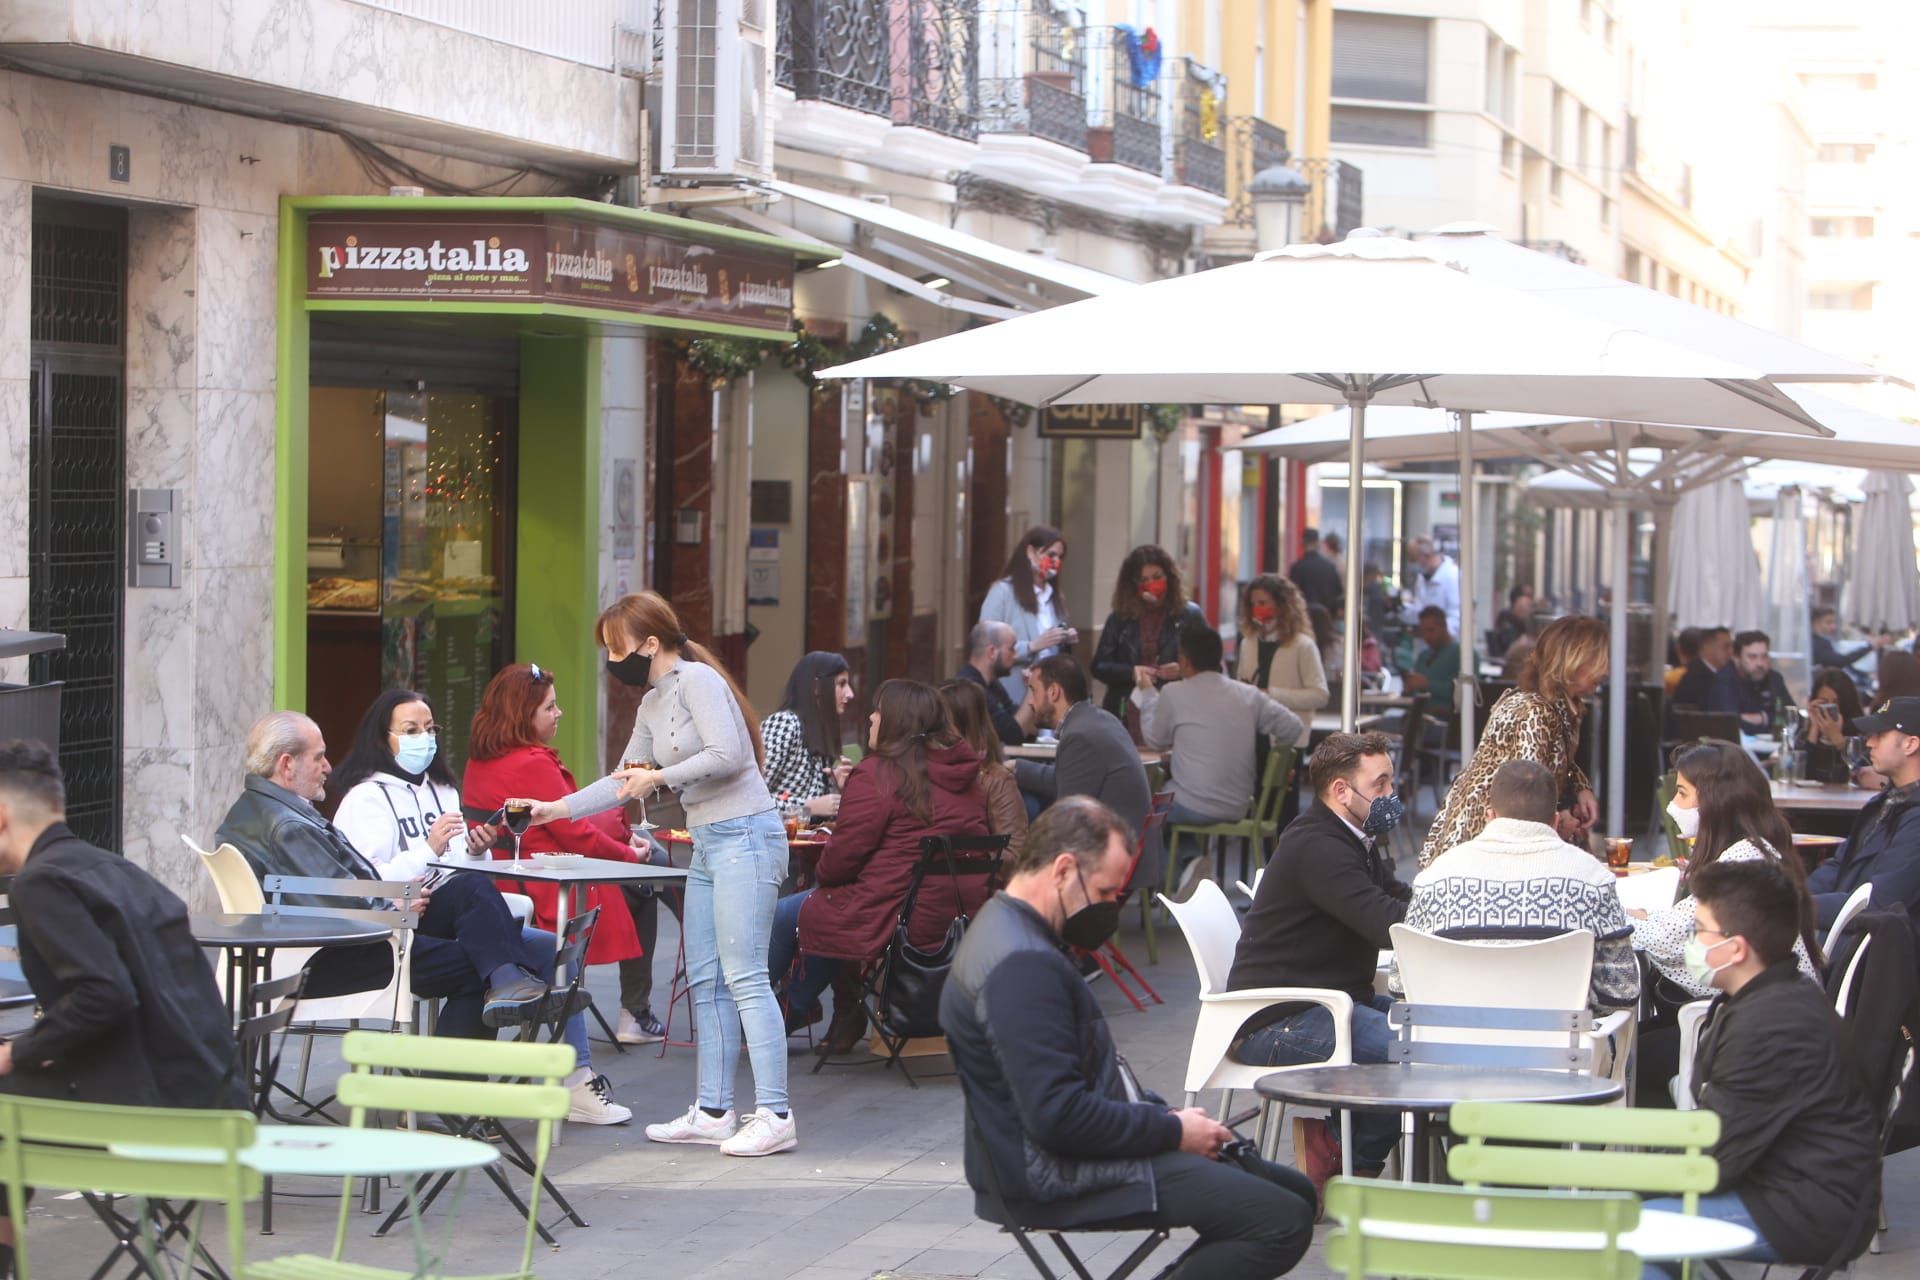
[929,242]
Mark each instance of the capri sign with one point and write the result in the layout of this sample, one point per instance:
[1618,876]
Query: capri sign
[1091,421]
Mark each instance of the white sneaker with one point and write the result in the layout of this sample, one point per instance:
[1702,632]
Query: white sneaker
[593,1104]
[634,1030]
[761,1134]
[695,1126]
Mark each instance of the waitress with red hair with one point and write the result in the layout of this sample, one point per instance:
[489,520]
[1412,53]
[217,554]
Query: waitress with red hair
[510,755]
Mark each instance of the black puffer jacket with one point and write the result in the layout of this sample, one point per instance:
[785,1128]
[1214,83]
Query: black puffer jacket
[1119,650]
[1054,1110]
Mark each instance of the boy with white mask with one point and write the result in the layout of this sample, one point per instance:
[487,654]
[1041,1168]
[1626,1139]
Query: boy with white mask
[1798,1143]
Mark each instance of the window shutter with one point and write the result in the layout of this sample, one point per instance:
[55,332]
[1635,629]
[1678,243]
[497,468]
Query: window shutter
[1381,56]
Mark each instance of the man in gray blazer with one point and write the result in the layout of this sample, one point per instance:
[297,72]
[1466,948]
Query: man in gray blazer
[1096,756]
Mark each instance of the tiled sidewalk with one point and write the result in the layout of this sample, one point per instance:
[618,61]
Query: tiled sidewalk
[875,1187]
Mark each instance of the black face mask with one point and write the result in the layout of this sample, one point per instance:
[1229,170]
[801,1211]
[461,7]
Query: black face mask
[1090,926]
[632,669]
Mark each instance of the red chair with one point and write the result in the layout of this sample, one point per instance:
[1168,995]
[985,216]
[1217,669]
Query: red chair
[1110,957]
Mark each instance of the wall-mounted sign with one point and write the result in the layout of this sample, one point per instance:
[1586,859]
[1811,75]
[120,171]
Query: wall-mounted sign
[1091,421]
[396,256]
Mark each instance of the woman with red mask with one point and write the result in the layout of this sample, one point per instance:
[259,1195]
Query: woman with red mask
[1141,637]
[1027,598]
[1277,648]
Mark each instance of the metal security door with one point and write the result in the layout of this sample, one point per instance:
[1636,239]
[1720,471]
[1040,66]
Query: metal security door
[75,528]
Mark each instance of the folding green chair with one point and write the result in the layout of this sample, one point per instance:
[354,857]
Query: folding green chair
[1452,1233]
[1651,1151]
[432,1090]
[1257,830]
[65,1146]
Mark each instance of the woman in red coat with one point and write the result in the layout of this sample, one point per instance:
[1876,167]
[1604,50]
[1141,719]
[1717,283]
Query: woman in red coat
[509,755]
[919,779]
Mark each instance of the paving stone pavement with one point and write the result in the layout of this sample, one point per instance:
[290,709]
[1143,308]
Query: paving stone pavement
[874,1189]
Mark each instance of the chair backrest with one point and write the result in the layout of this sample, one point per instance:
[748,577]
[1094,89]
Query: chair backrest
[1662,797]
[66,1146]
[1212,931]
[543,1100]
[1159,805]
[959,856]
[1416,1232]
[1523,1004]
[280,997]
[277,888]
[1856,903]
[1653,890]
[233,880]
[1273,783]
[1669,1156]
[1413,724]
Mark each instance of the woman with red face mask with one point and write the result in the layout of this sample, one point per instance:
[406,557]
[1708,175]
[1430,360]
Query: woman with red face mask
[1027,598]
[1277,648]
[1141,637]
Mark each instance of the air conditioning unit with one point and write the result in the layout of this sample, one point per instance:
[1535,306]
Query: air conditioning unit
[717,73]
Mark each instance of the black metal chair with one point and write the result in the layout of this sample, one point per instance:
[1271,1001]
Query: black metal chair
[1023,1233]
[953,856]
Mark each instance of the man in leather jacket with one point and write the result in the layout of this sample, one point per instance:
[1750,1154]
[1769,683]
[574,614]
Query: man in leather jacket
[1057,1122]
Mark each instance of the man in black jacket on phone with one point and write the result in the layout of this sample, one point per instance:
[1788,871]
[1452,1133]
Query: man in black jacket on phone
[1056,1119]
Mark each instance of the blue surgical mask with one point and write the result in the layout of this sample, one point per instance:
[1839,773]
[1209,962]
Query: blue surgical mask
[416,751]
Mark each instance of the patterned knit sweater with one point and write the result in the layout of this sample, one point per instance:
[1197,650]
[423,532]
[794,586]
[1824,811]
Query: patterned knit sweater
[1519,882]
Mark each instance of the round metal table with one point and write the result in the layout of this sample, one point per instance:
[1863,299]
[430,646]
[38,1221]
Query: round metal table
[1663,1236]
[1424,1091]
[250,940]
[297,1150]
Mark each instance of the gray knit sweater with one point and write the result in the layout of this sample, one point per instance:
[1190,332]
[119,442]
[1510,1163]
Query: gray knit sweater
[690,725]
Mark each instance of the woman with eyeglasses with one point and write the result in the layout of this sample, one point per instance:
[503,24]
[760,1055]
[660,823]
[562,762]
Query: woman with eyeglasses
[511,750]
[696,733]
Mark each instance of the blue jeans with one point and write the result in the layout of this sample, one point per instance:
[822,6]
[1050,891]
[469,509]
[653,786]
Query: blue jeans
[815,975]
[732,885]
[543,944]
[1307,1036]
[1724,1206]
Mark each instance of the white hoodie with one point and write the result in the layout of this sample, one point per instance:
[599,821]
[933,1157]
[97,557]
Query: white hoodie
[387,819]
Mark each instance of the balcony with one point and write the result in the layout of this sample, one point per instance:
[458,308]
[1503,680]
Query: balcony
[1124,124]
[1197,157]
[1252,145]
[913,63]
[1033,76]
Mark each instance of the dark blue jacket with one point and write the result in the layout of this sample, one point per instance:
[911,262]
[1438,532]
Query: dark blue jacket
[1883,850]
[1068,1135]
[1734,694]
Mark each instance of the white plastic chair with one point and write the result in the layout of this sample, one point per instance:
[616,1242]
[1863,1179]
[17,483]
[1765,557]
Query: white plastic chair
[1689,1018]
[1650,891]
[1856,903]
[1212,930]
[1552,974]
[1251,889]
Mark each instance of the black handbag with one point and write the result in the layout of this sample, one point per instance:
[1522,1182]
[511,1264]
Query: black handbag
[912,978]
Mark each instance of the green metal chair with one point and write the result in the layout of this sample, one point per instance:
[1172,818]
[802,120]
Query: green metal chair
[65,1146]
[1258,829]
[431,1084]
[1452,1233]
[1676,843]
[1651,1151]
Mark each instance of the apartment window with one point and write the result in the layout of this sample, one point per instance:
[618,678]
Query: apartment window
[1379,57]
[1606,153]
[1582,147]
[1554,183]
[1496,78]
[1557,141]
[1509,153]
[1631,267]
[1844,152]
[1606,211]
[1841,298]
[1586,15]
[1857,227]
[1608,29]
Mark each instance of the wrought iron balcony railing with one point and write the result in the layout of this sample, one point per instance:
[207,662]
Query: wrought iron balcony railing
[1197,157]
[1033,72]
[1335,203]
[1124,120]
[915,62]
[1252,145]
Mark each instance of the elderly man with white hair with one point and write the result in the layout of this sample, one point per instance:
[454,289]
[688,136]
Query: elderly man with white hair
[1436,584]
[468,947]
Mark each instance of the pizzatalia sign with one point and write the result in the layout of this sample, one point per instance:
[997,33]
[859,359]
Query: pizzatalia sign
[551,258]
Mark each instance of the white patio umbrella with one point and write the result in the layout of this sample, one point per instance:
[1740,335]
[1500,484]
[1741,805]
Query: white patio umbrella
[1372,320]
[1789,626]
[1884,591]
[1715,575]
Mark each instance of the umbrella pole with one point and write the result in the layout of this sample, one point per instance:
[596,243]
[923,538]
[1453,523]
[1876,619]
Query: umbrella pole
[1356,547]
[1616,779]
[1466,684]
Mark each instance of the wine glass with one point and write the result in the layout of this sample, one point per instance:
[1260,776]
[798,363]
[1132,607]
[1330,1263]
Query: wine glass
[643,824]
[519,816]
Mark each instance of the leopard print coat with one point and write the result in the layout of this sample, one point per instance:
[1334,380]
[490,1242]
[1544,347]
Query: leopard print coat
[1522,726]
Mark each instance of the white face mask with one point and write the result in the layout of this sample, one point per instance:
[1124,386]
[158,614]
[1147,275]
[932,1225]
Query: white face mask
[1688,820]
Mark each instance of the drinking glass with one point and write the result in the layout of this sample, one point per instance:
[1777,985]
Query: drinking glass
[1619,851]
[643,824]
[519,816]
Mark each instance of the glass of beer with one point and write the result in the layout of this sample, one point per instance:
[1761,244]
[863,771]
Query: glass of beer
[519,815]
[1619,851]
[793,819]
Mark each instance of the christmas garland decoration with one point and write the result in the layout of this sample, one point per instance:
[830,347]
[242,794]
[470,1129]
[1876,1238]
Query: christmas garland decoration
[1143,55]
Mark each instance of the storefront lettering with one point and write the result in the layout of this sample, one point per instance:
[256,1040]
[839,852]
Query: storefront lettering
[677,279]
[594,266]
[1105,421]
[354,256]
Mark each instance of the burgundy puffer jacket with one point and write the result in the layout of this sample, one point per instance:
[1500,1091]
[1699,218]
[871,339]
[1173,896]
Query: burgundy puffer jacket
[866,867]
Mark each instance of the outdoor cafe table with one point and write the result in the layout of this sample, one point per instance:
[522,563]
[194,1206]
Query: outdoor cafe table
[1821,797]
[250,941]
[1425,1090]
[1326,722]
[1046,751]
[571,881]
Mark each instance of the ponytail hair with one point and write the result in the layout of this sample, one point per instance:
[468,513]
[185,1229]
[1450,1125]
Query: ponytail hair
[646,613]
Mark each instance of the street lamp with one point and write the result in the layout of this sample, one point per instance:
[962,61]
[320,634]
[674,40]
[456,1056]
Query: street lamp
[1278,195]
